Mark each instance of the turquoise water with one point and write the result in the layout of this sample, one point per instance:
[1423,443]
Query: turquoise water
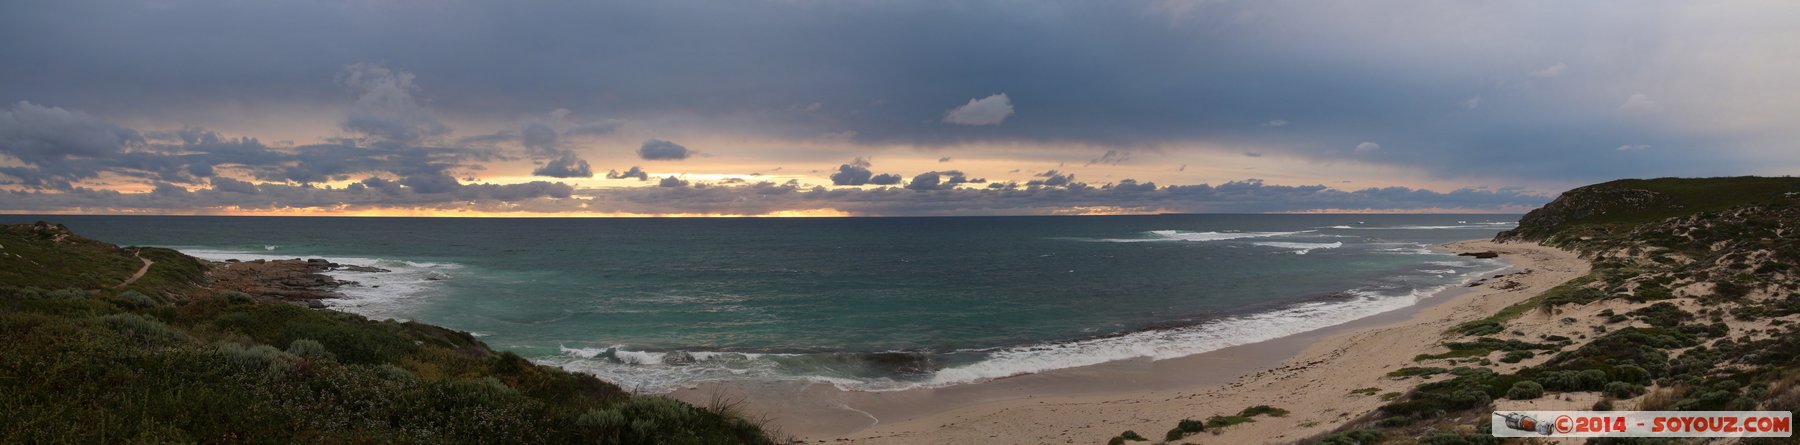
[865,303]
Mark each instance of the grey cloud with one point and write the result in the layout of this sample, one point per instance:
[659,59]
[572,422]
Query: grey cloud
[1131,185]
[431,183]
[1112,157]
[567,166]
[991,110]
[671,181]
[633,172]
[1053,178]
[766,197]
[1241,196]
[940,180]
[1205,79]
[59,145]
[857,173]
[595,128]
[884,179]
[385,109]
[538,137]
[661,150]
[234,186]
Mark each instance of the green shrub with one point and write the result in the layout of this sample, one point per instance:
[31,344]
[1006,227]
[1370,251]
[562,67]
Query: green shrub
[1132,435]
[1631,374]
[1459,439]
[1525,390]
[1662,315]
[306,348]
[1352,437]
[1516,356]
[1623,390]
[1115,440]
[235,297]
[259,357]
[136,300]
[1571,380]
[1216,422]
[1415,371]
[1191,425]
[147,332]
[1652,293]
[1174,434]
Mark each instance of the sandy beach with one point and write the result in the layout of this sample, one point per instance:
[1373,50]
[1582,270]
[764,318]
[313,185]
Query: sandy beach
[1316,376]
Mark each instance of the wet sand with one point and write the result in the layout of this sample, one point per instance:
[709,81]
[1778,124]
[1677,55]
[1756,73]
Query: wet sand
[1311,374]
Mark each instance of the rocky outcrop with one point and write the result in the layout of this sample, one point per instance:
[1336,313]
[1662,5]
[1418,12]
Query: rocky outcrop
[295,279]
[1582,204]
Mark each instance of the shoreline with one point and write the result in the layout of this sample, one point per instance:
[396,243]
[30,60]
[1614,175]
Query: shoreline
[1311,374]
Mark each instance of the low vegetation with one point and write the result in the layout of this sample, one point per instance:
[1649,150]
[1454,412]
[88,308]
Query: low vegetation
[1700,270]
[166,361]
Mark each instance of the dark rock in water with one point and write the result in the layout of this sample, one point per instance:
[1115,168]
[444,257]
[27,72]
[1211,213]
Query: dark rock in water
[355,268]
[318,261]
[1487,254]
[233,260]
[678,358]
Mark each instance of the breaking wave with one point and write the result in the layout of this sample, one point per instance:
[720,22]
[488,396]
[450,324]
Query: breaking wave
[1301,248]
[1185,236]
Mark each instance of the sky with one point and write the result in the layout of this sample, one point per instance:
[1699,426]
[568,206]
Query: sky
[879,108]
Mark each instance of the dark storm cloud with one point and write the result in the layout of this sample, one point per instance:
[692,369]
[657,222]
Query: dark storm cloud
[661,150]
[1299,77]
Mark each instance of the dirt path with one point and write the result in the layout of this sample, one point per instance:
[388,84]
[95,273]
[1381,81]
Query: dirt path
[140,272]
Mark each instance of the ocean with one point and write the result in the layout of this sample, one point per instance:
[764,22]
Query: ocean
[862,303]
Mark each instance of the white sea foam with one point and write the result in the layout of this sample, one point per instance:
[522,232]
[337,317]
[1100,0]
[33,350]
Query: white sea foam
[654,371]
[1405,248]
[376,295]
[1185,236]
[1451,263]
[1301,248]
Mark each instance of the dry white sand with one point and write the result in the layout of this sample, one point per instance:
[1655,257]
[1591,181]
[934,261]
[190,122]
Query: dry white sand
[1316,376]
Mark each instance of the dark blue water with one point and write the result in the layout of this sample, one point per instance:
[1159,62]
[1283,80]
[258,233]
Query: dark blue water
[873,303]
